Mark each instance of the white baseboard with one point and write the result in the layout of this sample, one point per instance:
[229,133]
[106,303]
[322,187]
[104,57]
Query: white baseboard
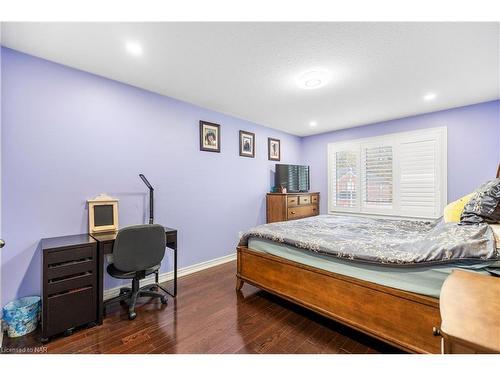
[113,292]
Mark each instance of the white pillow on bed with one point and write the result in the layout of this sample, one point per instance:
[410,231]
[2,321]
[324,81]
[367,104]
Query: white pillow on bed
[496,232]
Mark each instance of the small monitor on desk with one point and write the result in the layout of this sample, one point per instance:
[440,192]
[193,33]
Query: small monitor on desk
[103,214]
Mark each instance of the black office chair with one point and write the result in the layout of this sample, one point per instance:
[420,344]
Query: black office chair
[137,253]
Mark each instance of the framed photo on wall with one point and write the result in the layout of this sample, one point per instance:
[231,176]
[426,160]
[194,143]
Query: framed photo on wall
[273,149]
[209,136]
[247,144]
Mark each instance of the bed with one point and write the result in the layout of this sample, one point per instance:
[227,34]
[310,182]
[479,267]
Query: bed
[393,298]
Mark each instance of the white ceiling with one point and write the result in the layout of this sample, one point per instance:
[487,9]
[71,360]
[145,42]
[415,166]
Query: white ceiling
[380,71]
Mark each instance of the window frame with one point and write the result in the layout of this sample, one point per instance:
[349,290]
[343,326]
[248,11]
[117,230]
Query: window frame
[395,140]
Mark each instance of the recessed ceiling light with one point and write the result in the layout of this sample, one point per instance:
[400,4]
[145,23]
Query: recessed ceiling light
[430,96]
[312,124]
[134,48]
[313,79]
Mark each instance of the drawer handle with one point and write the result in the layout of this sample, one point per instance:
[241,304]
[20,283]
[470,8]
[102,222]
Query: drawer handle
[436,331]
[293,212]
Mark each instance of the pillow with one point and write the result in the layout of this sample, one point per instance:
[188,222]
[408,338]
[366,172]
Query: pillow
[484,206]
[453,211]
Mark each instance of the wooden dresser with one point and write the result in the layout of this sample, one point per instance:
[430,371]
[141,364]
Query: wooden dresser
[470,313]
[290,206]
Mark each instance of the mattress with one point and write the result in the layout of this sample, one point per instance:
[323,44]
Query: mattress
[425,280]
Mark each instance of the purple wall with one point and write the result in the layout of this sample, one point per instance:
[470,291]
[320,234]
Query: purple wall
[473,145]
[70,135]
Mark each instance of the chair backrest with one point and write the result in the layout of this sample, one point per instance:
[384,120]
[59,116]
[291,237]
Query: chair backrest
[139,247]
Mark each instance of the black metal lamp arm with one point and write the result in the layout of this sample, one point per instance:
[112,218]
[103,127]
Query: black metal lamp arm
[151,190]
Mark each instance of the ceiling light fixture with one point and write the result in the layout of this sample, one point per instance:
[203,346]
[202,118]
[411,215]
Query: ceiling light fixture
[313,79]
[134,48]
[313,124]
[430,96]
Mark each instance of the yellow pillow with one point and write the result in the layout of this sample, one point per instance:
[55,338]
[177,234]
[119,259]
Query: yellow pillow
[453,211]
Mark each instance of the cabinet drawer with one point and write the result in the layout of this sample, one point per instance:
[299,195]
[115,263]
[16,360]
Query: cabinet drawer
[293,201]
[71,283]
[301,212]
[68,255]
[315,198]
[70,310]
[70,269]
[304,199]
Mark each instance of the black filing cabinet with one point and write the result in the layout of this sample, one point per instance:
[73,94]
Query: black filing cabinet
[69,283]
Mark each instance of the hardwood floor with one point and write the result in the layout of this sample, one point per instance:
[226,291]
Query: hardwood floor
[209,316]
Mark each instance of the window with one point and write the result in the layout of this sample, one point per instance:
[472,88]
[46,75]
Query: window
[402,174]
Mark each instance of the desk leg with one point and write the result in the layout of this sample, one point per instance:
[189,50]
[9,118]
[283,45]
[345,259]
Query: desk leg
[175,270]
[174,294]
[100,284]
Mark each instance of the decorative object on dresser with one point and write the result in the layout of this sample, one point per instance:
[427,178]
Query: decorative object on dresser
[247,144]
[273,149]
[470,318]
[209,136]
[290,206]
[69,284]
[103,214]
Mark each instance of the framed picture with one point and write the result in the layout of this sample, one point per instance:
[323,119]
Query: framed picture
[247,144]
[273,149]
[103,214]
[209,136]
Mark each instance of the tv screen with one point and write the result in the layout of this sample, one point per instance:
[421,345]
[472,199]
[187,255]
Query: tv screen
[295,178]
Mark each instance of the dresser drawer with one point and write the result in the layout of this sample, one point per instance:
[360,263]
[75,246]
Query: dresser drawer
[304,199]
[293,200]
[69,269]
[315,198]
[70,310]
[70,283]
[301,212]
[65,255]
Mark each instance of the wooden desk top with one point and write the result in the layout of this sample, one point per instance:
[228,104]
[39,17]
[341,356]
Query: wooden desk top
[470,310]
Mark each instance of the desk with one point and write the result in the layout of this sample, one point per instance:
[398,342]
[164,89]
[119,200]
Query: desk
[105,246]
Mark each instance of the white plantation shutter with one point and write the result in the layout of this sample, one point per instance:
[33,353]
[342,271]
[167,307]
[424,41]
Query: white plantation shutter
[419,175]
[402,174]
[377,181]
[345,179]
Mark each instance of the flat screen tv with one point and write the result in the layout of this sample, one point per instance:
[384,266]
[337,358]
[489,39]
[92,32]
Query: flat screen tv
[295,178]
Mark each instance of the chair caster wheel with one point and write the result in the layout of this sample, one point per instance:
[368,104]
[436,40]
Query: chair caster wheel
[68,332]
[131,316]
[44,340]
[163,300]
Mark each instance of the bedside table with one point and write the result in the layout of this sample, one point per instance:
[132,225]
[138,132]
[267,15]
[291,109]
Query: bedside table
[470,313]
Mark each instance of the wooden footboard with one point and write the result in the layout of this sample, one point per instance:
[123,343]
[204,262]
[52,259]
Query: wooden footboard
[403,319]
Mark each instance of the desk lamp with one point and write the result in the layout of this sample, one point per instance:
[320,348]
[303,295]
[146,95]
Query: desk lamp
[145,180]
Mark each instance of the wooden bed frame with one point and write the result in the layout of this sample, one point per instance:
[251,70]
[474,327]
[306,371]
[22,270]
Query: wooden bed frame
[406,320]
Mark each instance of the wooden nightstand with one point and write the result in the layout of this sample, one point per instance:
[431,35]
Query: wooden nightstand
[470,313]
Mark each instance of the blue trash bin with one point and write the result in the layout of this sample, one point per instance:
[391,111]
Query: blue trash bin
[22,315]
